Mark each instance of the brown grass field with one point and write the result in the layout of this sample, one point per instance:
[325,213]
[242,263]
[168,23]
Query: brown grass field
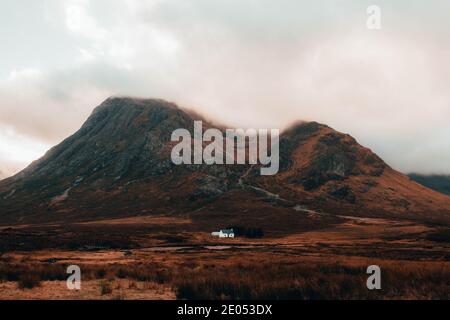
[163,258]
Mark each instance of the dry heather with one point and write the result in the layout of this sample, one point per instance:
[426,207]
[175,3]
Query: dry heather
[313,281]
[284,279]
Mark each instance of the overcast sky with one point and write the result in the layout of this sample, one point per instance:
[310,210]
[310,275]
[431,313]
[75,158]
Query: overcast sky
[246,63]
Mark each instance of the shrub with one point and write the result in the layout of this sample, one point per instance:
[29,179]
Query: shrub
[101,273]
[28,281]
[105,287]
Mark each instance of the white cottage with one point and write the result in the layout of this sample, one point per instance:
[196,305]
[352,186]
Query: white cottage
[224,233]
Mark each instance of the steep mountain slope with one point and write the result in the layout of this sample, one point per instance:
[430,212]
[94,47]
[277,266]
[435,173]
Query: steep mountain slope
[329,170]
[118,164]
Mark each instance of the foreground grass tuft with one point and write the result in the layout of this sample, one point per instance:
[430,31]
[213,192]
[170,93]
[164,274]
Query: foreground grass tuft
[105,287]
[29,281]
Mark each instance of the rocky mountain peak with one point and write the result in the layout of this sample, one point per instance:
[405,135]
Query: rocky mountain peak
[118,164]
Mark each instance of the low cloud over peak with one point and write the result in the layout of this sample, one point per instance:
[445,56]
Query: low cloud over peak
[243,63]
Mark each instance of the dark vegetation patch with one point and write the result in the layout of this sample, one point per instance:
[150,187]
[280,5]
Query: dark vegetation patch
[343,192]
[85,237]
[441,235]
[247,232]
[171,238]
[28,281]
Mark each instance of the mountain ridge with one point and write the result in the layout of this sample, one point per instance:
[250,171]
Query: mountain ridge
[437,182]
[118,164]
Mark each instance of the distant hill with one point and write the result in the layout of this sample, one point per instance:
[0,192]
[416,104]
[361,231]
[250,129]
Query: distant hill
[440,183]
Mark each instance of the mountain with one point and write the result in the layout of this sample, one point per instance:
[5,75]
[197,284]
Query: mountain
[329,170]
[440,183]
[118,165]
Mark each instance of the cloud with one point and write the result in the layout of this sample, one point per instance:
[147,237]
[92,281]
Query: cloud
[17,148]
[79,21]
[247,63]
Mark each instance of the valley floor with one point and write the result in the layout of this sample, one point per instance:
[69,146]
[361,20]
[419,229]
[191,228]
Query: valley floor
[140,261]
